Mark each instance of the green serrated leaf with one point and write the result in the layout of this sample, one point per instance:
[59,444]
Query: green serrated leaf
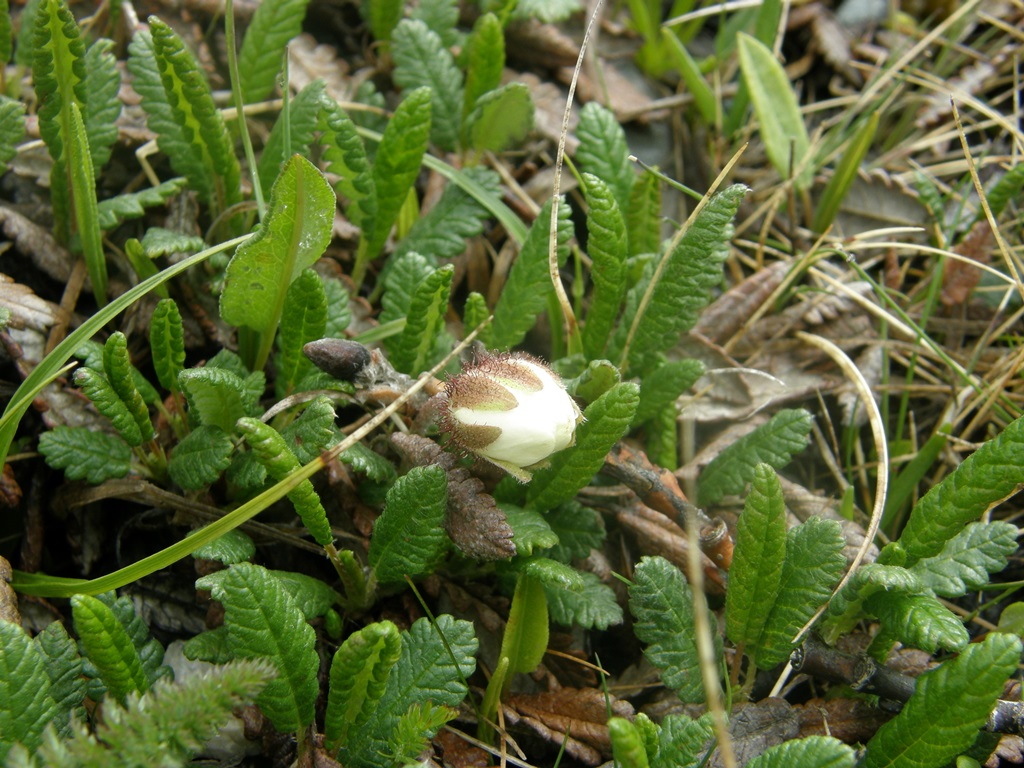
[381,16]
[500,118]
[409,537]
[755,578]
[200,458]
[485,60]
[216,397]
[662,387]
[442,16]
[579,529]
[303,115]
[359,675]
[422,60]
[529,529]
[549,572]
[594,607]
[774,443]
[345,155]
[312,431]
[474,314]
[303,319]
[948,708]
[369,463]
[627,744]
[232,547]
[6,33]
[412,351]
[26,706]
[151,652]
[264,621]
[608,249]
[396,165]
[405,273]
[809,752]
[428,671]
[312,596]
[778,114]
[967,559]
[603,151]
[105,400]
[205,136]
[273,453]
[338,313]
[64,668]
[12,129]
[292,236]
[167,343]
[274,24]
[683,741]
[643,216]
[116,210]
[161,242]
[1007,188]
[85,455]
[102,105]
[813,566]
[661,601]
[690,271]
[108,646]
[546,11]
[118,367]
[991,474]
[525,294]
[83,198]
[211,646]
[918,621]
[607,420]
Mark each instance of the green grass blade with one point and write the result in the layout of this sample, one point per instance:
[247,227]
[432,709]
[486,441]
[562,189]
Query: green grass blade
[832,196]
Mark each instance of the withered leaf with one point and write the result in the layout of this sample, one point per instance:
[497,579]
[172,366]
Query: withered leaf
[849,720]
[959,279]
[755,727]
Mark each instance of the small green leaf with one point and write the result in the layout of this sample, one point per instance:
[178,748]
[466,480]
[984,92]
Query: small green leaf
[546,11]
[529,529]
[813,566]
[442,16]
[264,621]
[949,706]
[778,114]
[412,351]
[118,367]
[345,155]
[108,647]
[991,474]
[405,273]
[603,151]
[526,633]
[579,529]
[313,431]
[608,249]
[233,547]
[643,217]
[312,596]
[303,319]
[211,646]
[83,197]
[216,397]
[116,210]
[382,16]
[421,60]
[683,741]
[85,455]
[607,420]
[627,744]
[662,602]
[26,707]
[167,344]
[485,60]
[526,291]
[303,115]
[102,105]
[274,24]
[755,578]
[273,453]
[500,119]
[919,621]
[162,242]
[64,668]
[774,443]
[12,129]
[662,387]
[106,401]
[414,729]
[474,314]
[292,236]
[809,752]
[409,537]
[967,559]
[595,607]
[200,458]
[359,675]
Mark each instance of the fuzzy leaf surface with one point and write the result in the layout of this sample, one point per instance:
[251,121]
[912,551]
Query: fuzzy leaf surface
[643,217]
[579,529]
[120,374]
[406,272]
[810,752]
[273,25]
[682,741]
[105,400]
[167,343]
[774,443]
[303,115]
[26,706]
[102,106]
[949,705]
[425,673]
[312,431]
[83,198]
[661,601]
[755,578]
[603,151]
[161,242]
[607,420]
[108,646]
[64,667]
[85,455]
[500,118]
[595,607]
[200,458]
[608,249]
[409,537]
[442,16]
[303,319]
[525,294]
[216,397]
[412,351]
[115,211]
[813,566]
[691,270]
[264,621]
[12,129]
[662,387]
[359,676]
[485,59]
[293,235]
[345,156]
[312,596]
[991,474]
[919,621]
[967,559]
[422,60]
[530,530]
[232,547]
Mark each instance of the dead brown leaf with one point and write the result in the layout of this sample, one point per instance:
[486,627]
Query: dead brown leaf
[849,720]
[959,279]
[8,600]
[10,491]
[757,726]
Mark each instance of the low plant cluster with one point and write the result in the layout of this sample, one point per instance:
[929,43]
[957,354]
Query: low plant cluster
[491,530]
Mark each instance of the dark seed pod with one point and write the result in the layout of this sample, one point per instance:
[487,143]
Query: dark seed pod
[340,358]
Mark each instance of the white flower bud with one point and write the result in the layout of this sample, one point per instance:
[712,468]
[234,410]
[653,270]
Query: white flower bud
[512,410]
